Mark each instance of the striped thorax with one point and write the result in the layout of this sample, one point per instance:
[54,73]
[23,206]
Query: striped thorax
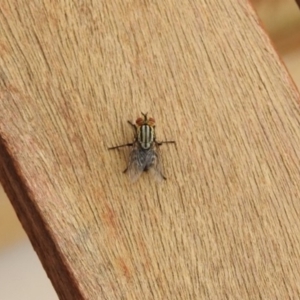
[145,132]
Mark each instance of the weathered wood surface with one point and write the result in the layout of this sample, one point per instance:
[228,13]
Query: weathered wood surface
[225,225]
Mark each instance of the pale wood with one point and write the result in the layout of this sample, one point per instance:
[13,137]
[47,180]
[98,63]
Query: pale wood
[225,225]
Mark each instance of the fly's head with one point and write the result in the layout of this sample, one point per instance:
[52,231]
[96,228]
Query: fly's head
[145,121]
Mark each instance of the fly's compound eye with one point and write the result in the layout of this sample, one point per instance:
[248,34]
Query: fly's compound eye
[151,122]
[139,121]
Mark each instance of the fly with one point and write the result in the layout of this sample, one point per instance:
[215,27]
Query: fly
[145,154]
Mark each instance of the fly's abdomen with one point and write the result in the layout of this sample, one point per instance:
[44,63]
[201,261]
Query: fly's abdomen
[145,136]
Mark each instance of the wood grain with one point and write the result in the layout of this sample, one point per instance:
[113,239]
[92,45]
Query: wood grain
[225,225]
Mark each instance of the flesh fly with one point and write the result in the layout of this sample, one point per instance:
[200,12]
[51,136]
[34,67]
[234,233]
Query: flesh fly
[145,154]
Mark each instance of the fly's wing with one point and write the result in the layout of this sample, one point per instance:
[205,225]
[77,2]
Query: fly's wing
[154,163]
[136,164]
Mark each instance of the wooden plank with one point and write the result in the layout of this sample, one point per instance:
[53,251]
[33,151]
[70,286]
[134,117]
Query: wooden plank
[226,222]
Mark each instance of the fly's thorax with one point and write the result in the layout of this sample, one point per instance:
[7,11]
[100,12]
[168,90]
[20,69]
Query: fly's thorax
[146,136]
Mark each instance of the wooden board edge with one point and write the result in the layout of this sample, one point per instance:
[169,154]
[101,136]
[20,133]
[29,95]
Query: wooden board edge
[51,258]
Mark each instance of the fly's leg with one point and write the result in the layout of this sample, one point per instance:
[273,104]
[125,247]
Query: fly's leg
[132,124]
[120,146]
[128,144]
[164,142]
[134,127]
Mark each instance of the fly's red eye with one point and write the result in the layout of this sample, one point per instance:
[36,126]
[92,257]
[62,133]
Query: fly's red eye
[139,121]
[151,121]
